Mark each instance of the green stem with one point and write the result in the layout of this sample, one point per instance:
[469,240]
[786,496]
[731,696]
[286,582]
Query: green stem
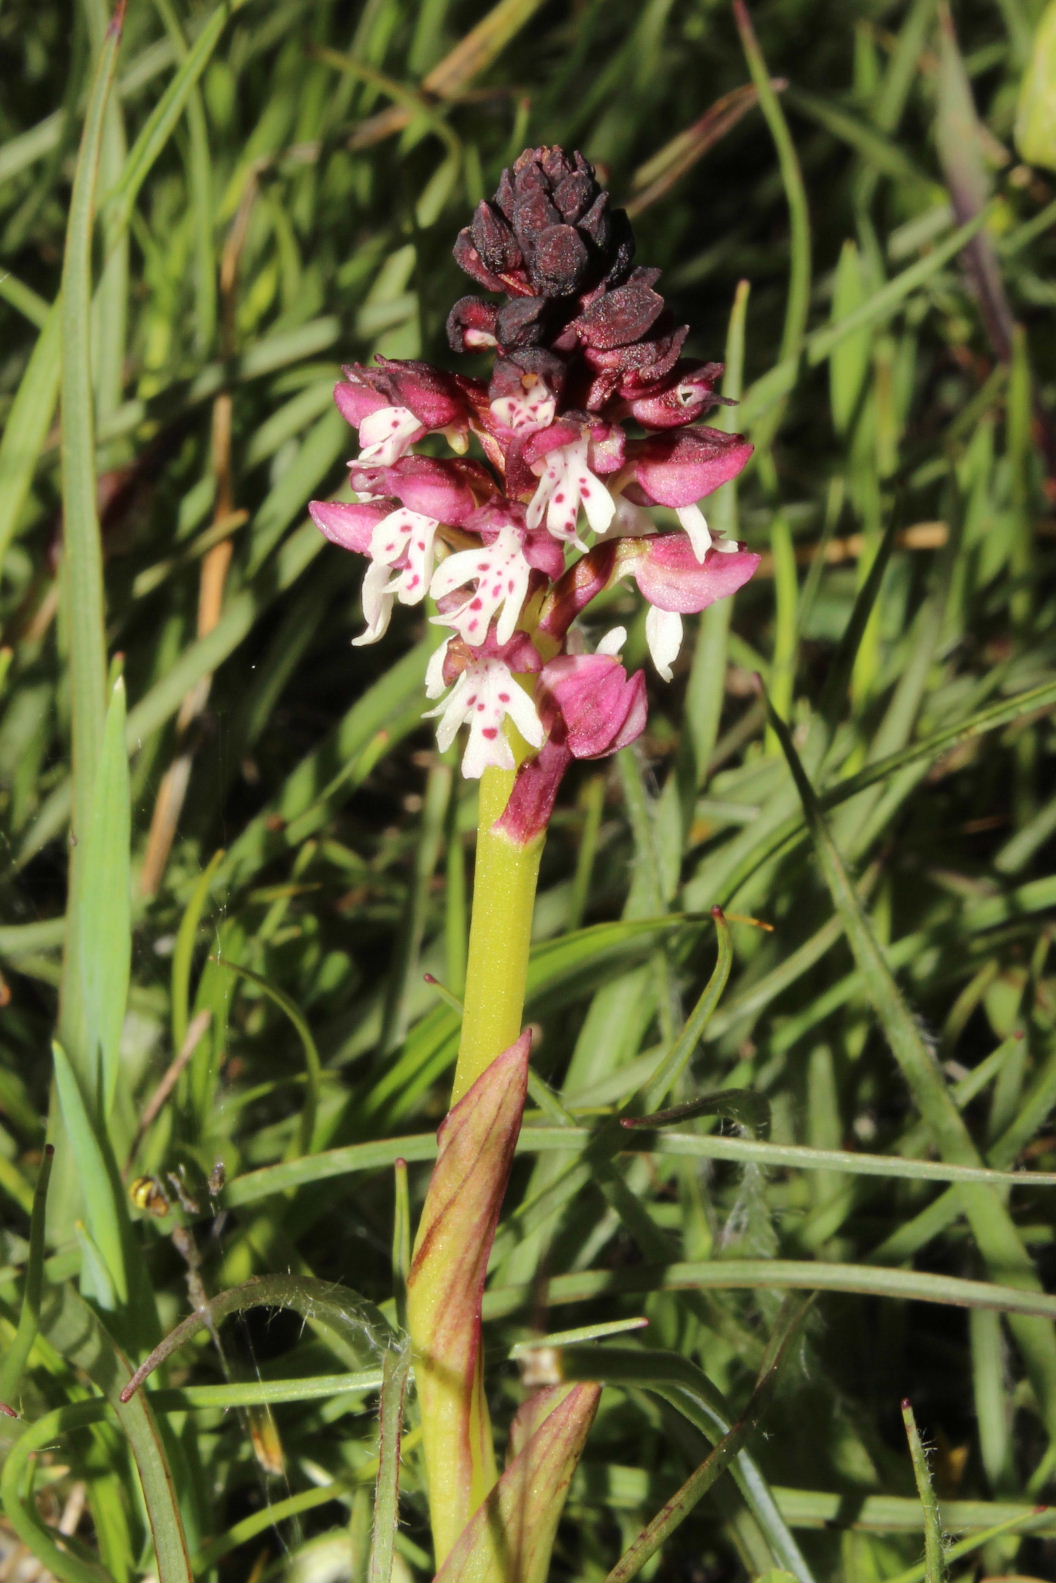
[499,937]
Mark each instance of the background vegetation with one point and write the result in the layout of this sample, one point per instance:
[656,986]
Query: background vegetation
[842,207]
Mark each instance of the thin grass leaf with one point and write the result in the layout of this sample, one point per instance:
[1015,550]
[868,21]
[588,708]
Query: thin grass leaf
[396,1371]
[357,1324]
[774,385]
[779,1275]
[104,901]
[681,1504]
[20,1506]
[27,424]
[935,1569]
[104,1203]
[678,1056]
[14,1360]
[82,567]
[165,116]
[305,1141]
[692,1394]
[78,1336]
[995,1231]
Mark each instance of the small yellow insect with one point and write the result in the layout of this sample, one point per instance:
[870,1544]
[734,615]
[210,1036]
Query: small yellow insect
[147,1193]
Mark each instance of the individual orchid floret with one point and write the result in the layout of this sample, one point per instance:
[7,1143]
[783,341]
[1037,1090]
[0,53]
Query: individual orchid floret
[446,490]
[501,574]
[526,409]
[678,469]
[395,404]
[569,458]
[484,697]
[591,708]
[568,483]
[403,540]
[676,583]
[688,392]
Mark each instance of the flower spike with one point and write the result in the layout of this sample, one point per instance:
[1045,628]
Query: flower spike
[514,541]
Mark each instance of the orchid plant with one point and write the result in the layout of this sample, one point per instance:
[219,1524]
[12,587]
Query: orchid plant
[587,422]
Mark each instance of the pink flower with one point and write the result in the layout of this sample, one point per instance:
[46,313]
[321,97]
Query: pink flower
[675,583]
[444,489]
[584,345]
[396,403]
[591,708]
[483,697]
[501,574]
[349,525]
[681,467]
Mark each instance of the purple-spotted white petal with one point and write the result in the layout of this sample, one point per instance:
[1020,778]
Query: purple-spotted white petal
[532,409]
[501,572]
[387,434]
[484,697]
[379,596]
[401,536]
[566,484]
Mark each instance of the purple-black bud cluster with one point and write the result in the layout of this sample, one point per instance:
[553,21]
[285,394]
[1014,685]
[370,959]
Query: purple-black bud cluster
[548,232]
[577,313]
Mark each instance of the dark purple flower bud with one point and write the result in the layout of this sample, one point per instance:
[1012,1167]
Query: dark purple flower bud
[574,194]
[619,317]
[533,212]
[559,261]
[549,210]
[494,241]
[680,468]
[631,371]
[467,258]
[521,323]
[686,397]
[471,325]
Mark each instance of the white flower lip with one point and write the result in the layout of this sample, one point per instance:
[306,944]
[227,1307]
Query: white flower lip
[387,434]
[534,410]
[405,536]
[566,484]
[663,633]
[484,697]
[501,574]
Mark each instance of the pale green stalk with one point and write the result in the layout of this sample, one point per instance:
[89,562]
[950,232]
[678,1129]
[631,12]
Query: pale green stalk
[499,937]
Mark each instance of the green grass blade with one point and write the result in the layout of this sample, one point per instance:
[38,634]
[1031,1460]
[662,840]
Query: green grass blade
[306,1140]
[105,901]
[164,117]
[679,1506]
[27,425]
[396,1367]
[935,1569]
[79,1337]
[995,1231]
[14,1360]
